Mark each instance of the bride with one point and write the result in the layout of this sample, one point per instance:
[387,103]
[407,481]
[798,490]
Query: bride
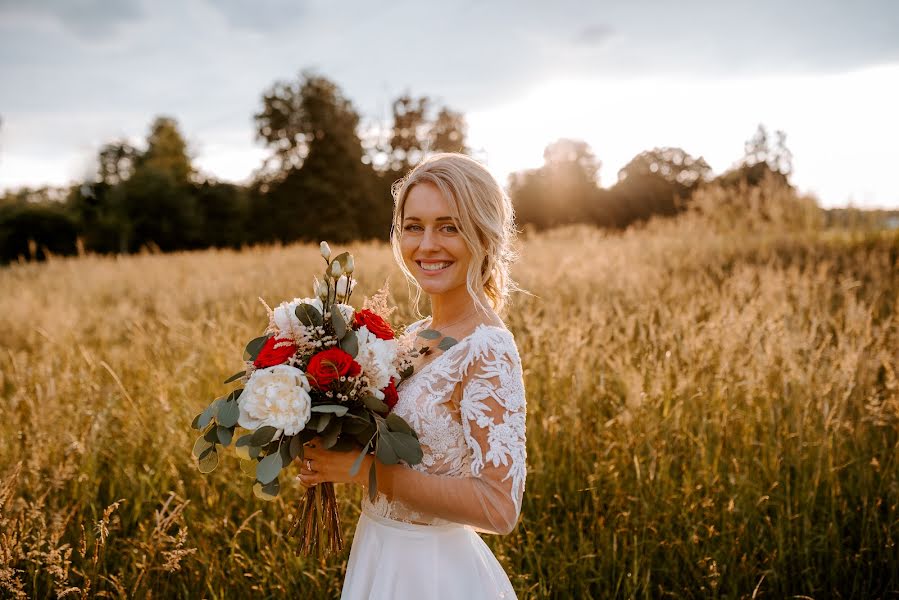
[418,540]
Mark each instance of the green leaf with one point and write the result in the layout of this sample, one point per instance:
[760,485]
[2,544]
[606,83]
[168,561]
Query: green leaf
[263,435]
[296,446]
[323,421]
[447,343]
[337,321]
[372,482]
[374,404]
[268,468]
[349,343]
[284,450]
[407,372]
[208,461]
[224,434]
[308,315]
[236,376]
[267,492]
[244,447]
[344,444]
[208,413]
[354,424]
[384,450]
[329,437]
[201,445]
[397,423]
[337,409]
[405,446]
[211,435]
[248,468]
[255,345]
[429,334]
[195,424]
[228,414]
[357,464]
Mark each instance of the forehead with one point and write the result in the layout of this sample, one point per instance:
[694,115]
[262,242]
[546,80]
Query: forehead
[424,201]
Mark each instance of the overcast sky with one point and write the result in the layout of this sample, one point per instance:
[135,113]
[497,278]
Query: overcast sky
[624,76]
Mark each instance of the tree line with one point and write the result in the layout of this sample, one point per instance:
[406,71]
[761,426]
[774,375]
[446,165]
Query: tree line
[325,177]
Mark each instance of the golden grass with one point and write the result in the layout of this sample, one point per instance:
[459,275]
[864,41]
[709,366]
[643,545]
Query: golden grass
[712,412]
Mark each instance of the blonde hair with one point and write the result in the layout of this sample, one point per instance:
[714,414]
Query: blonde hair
[485,217]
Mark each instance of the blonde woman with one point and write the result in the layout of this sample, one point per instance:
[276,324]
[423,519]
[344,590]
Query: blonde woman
[453,228]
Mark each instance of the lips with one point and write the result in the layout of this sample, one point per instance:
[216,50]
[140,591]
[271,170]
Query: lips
[434,266]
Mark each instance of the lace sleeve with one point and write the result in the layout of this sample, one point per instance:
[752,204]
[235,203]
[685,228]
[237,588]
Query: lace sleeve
[491,404]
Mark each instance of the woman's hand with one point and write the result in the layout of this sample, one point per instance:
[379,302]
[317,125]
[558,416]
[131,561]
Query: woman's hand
[320,465]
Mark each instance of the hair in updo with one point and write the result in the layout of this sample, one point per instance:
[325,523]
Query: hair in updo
[485,217]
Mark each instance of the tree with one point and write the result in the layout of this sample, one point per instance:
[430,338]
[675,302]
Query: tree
[564,190]
[116,162]
[167,151]
[320,187]
[758,150]
[671,164]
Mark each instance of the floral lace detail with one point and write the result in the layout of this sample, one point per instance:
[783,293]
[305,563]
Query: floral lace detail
[487,364]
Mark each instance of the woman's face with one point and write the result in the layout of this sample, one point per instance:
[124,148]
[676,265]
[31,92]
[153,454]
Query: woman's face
[431,244]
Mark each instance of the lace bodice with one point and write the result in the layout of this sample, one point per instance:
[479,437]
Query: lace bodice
[468,407]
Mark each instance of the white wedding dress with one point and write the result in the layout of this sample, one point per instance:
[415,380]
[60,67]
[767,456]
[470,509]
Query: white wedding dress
[418,540]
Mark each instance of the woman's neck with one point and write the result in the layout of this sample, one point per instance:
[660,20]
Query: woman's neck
[453,307]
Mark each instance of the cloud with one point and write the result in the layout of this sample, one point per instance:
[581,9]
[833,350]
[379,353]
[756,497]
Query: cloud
[86,19]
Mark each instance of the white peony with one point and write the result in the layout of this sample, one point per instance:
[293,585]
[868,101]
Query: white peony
[277,396]
[286,319]
[377,358]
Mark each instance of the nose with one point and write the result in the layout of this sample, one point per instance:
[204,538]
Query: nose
[429,240]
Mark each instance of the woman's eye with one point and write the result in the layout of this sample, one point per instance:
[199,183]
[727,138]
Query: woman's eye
[451,228]
[409,227]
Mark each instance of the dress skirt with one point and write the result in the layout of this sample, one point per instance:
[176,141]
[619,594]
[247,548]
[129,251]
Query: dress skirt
[393,560]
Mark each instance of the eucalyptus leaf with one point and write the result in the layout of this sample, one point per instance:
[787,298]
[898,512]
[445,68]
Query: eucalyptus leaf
[263,435]
[267,492]
[447,343]
[323,421]
[209,412]
[341,259]
[195,424]
[255,346]
[329,436]
[248,468]
[296,447]
[268,468]
[211,435]
[337,409]
[344,444]
[374,404]
[228,414]
[357,464]
[208,461]
[236,376]
[429,334]
[224,434]
[405,446]
[284,450]
[397,423]
[350,343]
[407,372]
[384,450]
[201,445]
[372,482]
[340,327]
[308,315]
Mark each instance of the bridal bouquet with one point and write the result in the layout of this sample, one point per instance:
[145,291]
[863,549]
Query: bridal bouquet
[321,369]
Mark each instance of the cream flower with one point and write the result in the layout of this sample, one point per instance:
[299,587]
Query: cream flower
[286,319]
[377,358]
[276,396]
[342,286]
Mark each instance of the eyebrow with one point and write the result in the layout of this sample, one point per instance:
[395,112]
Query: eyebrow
[437,219]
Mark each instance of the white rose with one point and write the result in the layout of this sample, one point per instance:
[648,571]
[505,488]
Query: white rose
[285,315]
[377,358]
[342,286]
[277,396]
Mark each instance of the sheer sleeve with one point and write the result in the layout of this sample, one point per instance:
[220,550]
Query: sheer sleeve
[491,405]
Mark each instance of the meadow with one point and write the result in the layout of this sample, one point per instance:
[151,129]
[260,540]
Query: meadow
[713,412]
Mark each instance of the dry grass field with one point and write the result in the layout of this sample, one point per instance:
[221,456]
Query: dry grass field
[713,407]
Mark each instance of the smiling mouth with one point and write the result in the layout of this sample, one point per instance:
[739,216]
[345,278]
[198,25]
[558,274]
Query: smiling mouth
[434,267]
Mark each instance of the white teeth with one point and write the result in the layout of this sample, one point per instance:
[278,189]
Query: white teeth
[434,266]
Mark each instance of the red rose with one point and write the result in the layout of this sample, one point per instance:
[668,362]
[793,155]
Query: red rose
[391,396]
[270,356]
[328,365]
[375,324]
